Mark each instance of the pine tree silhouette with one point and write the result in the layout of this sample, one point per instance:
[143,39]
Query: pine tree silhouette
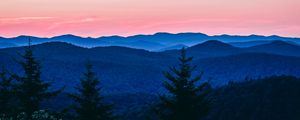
[186,99]
[30,89]
[7,97]
[90,105]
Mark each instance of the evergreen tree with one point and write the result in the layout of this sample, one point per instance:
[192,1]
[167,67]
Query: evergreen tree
[7,97]
[90,105]
[30,89]
[187,97]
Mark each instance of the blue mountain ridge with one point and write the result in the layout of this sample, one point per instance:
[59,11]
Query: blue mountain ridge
[128,70]
[154,42]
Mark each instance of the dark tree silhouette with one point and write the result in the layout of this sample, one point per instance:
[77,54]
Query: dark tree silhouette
[30,89]
[7,96]
[90,105]
[187,97]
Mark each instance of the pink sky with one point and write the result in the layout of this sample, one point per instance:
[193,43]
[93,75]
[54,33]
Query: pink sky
[128,17]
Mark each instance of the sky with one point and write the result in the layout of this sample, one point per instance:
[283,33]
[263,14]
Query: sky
[94,18]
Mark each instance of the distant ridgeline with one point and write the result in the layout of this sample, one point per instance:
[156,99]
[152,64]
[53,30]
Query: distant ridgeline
[155,42]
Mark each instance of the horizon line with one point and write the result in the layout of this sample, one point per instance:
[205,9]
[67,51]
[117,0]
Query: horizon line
[124,36]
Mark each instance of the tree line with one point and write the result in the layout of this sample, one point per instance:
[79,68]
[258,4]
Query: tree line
[21,94]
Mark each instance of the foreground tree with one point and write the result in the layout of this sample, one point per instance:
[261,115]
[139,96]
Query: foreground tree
[90,105]
[7,97]
[187,97]
[31,90]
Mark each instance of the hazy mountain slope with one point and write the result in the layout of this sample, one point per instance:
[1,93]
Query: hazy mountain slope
[256,43]
[125,70]
[175,47]
[7,45]
[247,65]
[149,42]
[215,48]
[249,43]
[277,47]
[120,68]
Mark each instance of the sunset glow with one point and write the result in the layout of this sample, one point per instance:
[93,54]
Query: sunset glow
[128,17]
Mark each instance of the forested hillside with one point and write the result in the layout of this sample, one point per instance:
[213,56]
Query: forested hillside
[126,70]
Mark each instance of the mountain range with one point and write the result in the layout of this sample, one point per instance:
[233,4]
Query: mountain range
[156,42]
[128,70]
[237,67]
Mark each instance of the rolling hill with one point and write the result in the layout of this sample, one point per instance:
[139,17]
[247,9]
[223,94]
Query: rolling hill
[155,42]
[277,47]
[127,70]
[213,48]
